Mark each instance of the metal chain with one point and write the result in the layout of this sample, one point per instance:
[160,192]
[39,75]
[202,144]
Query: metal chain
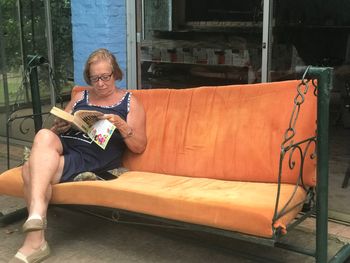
[299,99]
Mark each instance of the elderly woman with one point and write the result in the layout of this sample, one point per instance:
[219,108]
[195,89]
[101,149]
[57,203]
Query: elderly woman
[59,154]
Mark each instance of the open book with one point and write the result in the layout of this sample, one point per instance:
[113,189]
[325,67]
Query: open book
[88,122]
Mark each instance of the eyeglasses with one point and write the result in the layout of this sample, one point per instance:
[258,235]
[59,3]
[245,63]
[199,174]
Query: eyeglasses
[104,77]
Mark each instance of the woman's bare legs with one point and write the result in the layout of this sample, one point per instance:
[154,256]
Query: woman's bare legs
[42,170]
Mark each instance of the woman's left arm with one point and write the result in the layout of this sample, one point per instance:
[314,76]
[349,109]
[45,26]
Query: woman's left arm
[134,129]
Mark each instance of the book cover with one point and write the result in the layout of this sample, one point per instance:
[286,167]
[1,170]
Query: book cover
[100,132]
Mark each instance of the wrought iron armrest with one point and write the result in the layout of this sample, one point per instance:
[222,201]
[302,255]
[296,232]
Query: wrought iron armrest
[21,129]
[295,154]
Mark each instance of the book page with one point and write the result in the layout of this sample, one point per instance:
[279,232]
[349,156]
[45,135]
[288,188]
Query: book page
[101,132]
[88,116]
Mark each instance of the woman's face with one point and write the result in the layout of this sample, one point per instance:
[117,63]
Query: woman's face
[101,77]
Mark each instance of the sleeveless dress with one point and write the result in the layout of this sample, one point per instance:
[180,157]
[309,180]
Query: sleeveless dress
[81,154]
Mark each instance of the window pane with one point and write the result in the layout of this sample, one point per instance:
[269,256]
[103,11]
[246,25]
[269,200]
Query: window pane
[200,42]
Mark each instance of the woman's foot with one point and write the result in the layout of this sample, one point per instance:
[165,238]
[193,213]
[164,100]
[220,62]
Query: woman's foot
[35,257]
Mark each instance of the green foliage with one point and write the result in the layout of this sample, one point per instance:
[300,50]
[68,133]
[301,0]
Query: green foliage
[10,31]
[31,22]
[62,38]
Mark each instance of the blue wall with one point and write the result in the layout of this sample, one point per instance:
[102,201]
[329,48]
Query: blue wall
[98,24]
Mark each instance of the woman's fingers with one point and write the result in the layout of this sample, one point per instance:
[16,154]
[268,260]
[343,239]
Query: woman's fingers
[111,117]
[61,125]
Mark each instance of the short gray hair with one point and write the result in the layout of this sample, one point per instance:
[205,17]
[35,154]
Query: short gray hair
[102,54]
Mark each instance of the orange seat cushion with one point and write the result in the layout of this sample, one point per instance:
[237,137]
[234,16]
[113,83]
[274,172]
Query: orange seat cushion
[238,206]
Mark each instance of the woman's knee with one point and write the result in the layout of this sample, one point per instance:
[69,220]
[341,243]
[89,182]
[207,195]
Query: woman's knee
[45,137]
[44,134]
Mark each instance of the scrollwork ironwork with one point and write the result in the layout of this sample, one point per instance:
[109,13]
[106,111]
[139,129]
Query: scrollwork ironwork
[23,130]
[21,125]
[295,153]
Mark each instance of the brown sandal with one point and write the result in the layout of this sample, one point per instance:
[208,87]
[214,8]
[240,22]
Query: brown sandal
[34,224]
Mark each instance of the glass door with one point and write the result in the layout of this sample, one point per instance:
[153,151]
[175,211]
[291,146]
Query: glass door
[199,42]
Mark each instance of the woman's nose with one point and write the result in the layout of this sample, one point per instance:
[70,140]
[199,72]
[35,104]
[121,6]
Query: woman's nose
[100,82]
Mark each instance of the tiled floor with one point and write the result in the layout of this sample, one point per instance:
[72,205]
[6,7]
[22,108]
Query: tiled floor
[336,229]
[338,163]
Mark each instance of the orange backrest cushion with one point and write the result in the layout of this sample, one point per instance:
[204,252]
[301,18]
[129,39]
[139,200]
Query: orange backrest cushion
[225,132]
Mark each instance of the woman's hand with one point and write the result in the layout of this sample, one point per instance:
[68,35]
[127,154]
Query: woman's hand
[60,126]
[124,129]
[133,130]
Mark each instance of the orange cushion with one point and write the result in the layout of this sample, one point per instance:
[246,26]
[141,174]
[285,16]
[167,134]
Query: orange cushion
[239,206]
[227,132]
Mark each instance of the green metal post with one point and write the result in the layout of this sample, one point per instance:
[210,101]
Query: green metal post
[324,84]
[34,87]
[33,62]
